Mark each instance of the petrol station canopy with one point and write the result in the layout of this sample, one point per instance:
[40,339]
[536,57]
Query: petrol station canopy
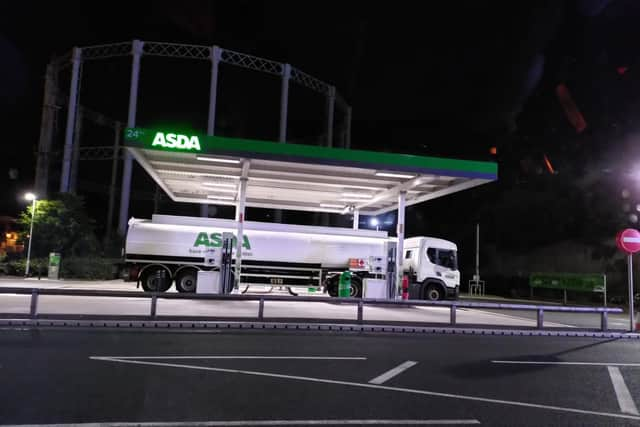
[196,168]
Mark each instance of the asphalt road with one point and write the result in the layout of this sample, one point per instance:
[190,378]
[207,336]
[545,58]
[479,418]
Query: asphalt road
[257,378]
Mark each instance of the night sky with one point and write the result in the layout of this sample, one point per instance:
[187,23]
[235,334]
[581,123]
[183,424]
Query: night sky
[448,78]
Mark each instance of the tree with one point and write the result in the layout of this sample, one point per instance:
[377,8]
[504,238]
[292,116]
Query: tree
[59,225]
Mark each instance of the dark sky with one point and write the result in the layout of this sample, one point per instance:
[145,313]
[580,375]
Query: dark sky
[435,78]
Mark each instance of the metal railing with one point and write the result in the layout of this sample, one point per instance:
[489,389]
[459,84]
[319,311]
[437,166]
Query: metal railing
[359,303]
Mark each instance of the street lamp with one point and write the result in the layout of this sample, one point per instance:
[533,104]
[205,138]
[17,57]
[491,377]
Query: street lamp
[375,223]
[32,198]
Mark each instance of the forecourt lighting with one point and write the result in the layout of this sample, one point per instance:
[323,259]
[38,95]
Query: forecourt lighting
[219,184]
[217,160]
[394,175]
[357,195]
[225,190]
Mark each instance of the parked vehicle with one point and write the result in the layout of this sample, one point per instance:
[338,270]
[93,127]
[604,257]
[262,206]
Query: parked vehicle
[168,249]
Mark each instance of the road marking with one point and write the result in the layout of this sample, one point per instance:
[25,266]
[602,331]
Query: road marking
[262,423]
[383,378]
[378,387]
[536,362]
[509,316]
[232,357]
[625,400]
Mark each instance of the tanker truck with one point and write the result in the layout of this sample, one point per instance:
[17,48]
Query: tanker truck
[172,249]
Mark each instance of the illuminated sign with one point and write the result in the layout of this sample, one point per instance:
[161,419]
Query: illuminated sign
[176,140]
[214,240]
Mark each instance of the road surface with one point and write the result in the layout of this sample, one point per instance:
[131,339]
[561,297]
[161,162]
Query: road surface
[259,378]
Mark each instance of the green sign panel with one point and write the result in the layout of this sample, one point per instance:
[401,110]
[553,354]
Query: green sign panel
[54,266]
[568,281]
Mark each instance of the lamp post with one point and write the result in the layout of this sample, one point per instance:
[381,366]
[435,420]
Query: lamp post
[32,198]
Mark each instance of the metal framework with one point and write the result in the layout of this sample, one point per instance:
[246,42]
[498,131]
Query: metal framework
[137,49]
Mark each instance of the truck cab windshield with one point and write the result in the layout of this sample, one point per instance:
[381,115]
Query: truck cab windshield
[443,257]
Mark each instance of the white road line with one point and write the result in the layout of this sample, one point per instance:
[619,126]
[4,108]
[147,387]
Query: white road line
[536,362]
[260,423]
[509,316]
[383,378]
[625,400]
[231,357]
[380,387]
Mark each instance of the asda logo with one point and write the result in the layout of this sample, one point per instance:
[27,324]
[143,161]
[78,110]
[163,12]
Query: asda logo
[176,140]
[214,240]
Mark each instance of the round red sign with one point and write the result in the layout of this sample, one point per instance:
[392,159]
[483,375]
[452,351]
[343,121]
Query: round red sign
[628,240]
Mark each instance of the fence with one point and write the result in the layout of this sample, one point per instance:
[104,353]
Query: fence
[358,303]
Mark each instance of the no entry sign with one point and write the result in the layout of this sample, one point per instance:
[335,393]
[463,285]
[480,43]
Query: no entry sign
[628,240]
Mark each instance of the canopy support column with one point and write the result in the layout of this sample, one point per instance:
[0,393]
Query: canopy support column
[242,198]
[400,244]
[356,219]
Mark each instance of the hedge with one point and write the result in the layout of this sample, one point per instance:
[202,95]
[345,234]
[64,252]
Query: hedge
[92,268]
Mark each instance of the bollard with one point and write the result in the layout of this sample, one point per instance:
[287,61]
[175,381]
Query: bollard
[261,309]
[540,318]
[33,311]
[154,302]
[604,321]
[452,315]
[405,287]
[344,284]
[360,307]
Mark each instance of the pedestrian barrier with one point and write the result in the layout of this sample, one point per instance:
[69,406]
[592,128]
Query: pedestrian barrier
[359,303]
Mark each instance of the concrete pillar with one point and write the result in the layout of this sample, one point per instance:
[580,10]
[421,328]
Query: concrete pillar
[331,105]
[216,53]
[75,158]
[123,218]
[49,106]
[114,177]
[65,177]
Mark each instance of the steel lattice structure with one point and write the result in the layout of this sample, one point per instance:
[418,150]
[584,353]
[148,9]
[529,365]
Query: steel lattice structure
[137,49]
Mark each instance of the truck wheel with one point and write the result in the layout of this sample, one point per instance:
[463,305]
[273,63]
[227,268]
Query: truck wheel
[356,287]
[433,293]
[187,280]
[152,283]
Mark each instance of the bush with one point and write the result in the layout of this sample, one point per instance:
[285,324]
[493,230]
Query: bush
[36,266]
[93,268]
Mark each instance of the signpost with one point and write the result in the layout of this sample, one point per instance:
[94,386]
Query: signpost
[628,241]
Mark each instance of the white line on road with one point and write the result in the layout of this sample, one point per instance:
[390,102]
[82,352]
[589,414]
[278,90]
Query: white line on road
[537,362]
[383,378]
[510,316]
[625,400]
[379,387]
[231,357]
[262,423]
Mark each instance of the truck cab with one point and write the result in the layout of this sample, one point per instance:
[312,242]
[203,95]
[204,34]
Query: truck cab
[432,267]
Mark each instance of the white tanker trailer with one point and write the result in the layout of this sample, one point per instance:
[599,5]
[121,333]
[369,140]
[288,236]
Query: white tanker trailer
[169,249]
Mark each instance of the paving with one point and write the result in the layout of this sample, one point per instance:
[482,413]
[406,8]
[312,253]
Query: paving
[256,378]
